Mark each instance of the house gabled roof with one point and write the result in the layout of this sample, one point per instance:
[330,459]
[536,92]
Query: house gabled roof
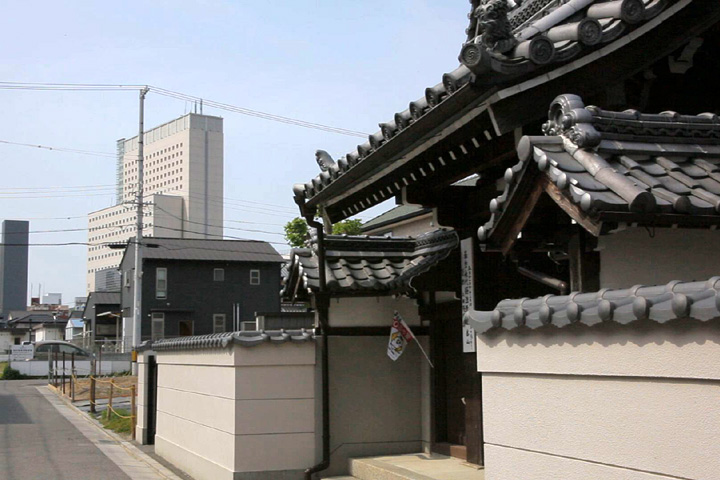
[395,215]
[660,304]
[504,46]
[615,167]
[367,264]
[207,250]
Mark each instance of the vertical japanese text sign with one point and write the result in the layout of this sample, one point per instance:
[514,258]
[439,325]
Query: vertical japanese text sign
[467,263]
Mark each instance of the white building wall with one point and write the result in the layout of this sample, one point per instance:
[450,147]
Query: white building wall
[636,402]
[633,257]
[235,413]
[183,159]
[162,218]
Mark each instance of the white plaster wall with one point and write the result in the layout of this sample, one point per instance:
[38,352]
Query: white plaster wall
[6,340]
[236,412]
[372,311]
[376,405]
[627,402]
[407,228]
[631,257]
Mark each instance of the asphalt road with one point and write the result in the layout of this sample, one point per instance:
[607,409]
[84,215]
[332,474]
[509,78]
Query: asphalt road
[37,442]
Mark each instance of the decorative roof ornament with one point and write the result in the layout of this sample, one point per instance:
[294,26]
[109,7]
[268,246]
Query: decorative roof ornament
[496,30]
[568,117]
[324,160]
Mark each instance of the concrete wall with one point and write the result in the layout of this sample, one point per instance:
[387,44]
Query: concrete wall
[372,311]
[673,254]
[377,406]
[235,413]
[637,402]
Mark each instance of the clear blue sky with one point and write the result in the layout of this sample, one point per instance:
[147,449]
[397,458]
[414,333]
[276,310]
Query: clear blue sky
[341,63]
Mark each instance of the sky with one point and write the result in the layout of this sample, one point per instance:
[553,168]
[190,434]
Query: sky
[340,63]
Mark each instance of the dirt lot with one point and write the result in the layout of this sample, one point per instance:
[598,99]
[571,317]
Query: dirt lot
[102,387]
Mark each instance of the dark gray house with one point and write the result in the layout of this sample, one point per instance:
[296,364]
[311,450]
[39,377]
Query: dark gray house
[198,286]
[102,314]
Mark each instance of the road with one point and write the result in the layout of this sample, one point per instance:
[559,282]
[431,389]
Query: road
[38,442]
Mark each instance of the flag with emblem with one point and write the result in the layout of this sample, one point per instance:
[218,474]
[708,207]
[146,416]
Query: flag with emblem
[400,336]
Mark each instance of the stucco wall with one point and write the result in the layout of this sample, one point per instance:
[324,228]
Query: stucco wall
[619,402]
[375,403]
[240,412]
[672,254]
[372,311]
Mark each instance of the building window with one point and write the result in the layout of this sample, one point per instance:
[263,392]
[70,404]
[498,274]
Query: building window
[254,277]
[218,322]
[219,274]
[158,325]
[161,283]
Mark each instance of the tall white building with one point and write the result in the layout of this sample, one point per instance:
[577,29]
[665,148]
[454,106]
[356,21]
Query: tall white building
[182,187]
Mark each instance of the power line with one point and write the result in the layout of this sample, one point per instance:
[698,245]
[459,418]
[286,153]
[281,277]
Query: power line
[61,149]
[179,96]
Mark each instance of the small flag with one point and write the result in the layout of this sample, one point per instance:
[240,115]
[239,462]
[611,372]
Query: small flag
[400,335]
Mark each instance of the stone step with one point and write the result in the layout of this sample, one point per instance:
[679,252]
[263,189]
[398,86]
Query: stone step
[342,477]
[371,469]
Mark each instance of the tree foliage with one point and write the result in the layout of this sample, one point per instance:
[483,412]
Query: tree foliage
[352,226]
[296,230]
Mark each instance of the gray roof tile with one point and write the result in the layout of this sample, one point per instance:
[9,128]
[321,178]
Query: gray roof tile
[661,303]
[223,340]
[595,170]
[367,263]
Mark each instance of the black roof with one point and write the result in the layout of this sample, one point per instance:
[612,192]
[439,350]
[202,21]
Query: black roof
[210,250]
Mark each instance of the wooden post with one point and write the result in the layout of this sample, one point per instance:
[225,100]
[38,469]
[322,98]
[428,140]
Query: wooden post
[72,376]
[109,409]
[133,405]
[55,384]
[92,394]
[63,373]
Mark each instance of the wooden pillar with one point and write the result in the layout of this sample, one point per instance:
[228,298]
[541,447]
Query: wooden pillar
[584,262]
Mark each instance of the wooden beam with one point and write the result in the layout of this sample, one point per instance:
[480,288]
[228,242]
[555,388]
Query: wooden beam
[572,209]
[521,218]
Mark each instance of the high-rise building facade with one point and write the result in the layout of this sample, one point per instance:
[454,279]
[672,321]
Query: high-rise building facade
[182,189]
[14,266]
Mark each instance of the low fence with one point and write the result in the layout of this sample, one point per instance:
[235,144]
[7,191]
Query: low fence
[105,364]
[94,388]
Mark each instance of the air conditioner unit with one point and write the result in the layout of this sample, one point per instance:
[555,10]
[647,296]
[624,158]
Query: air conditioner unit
[248,326]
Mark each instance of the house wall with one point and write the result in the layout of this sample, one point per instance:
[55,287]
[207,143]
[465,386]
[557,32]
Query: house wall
[634,402]
[377,406]
[672,254]
[407,228]
[372,311]
[193,295]
[235,413]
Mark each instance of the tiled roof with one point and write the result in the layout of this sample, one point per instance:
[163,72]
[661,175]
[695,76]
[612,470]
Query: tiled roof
[502,47]
[620,162]
[676,300]
[212,250]
[356,264]
[223,340]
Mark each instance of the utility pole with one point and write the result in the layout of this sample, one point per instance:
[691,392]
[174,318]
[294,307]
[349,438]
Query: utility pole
[137,290]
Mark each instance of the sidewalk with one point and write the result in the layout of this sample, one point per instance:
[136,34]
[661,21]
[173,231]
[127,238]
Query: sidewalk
[137,464]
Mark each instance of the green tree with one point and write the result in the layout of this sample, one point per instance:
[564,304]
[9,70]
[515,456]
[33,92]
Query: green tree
[296,232]
[352,226]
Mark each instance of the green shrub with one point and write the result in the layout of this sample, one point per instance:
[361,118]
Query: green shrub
[11,374]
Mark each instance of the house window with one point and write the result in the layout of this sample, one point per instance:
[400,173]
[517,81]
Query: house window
[219,274]
[254,277]
[218,323]
[161,283]
[158,325]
